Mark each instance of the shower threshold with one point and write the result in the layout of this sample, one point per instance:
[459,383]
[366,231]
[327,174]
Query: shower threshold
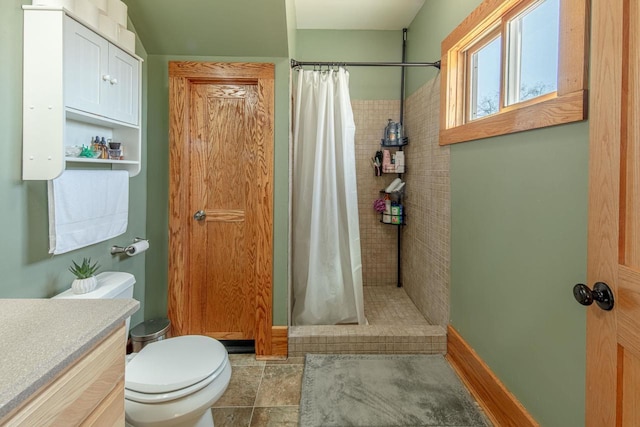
[395,327]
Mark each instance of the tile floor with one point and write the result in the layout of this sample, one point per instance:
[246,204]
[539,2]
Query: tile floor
[267,393]
[260,394]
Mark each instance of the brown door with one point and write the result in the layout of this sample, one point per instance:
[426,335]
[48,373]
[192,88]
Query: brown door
[613,337]
[221,169]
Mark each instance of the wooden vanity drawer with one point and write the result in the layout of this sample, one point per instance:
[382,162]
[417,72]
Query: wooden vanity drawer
[91,391]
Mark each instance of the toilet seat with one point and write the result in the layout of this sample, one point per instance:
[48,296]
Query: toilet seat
[182,411]
[165,397]
[174,368]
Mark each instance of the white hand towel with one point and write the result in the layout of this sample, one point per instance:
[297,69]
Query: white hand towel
[87,207]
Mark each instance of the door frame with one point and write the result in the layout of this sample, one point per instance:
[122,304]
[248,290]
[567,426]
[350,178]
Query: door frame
[182,74]
[608,119]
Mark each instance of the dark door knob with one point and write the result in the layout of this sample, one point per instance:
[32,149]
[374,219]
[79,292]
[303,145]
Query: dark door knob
[601,294]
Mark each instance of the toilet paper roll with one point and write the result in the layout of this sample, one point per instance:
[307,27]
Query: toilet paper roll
[137,247]
[126,38]
[117,10]
[67,4]
[100,4]
[108,27]
[87,12]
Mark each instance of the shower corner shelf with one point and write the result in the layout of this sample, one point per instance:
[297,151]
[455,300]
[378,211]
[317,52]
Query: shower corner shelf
[402,224]
[397,197]
[404,141]
[393,173]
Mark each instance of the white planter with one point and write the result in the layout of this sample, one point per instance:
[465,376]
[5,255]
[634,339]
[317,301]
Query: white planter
[82,286]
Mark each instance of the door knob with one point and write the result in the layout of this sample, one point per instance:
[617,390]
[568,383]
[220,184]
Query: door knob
[601,294]
[200,215]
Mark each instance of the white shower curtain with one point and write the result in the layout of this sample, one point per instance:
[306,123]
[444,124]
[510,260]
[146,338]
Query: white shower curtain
[327,266]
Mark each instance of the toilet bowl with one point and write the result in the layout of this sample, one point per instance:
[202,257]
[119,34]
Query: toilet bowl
[172,382]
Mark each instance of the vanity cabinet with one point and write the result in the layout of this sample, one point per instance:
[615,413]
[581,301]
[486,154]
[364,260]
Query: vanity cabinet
[77,85]
[90,392]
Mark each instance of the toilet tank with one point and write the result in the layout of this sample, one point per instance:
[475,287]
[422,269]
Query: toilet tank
[111,285]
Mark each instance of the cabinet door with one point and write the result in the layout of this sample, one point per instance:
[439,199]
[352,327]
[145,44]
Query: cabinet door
[86,72]
[124,72]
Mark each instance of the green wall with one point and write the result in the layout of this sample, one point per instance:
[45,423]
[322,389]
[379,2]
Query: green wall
[158,169]
[518,245]
[431,25]
[357,46]
[236,28]
[26,268]
[290,7]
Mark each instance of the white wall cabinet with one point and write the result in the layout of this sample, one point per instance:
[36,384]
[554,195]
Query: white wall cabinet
[99,77]
[77,85]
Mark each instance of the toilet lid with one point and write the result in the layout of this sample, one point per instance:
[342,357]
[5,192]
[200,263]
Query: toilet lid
[174,363]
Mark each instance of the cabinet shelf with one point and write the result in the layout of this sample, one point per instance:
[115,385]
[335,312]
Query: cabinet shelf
[103,161]
[83,116]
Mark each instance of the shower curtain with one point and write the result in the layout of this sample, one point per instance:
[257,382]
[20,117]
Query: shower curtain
[327,266]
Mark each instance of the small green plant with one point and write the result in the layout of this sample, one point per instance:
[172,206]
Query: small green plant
[85,270]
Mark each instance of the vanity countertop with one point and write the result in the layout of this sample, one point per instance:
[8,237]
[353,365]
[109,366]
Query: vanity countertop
[39,338]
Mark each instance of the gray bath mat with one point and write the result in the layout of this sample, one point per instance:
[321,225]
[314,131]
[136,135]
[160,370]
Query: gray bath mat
[384,390]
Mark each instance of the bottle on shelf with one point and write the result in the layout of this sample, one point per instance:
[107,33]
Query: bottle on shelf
[386,215]
[393,135]
[396,213]
[399,162]
[390,133]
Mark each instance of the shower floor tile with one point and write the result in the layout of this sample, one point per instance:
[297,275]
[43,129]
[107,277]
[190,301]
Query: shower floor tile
[395,326]
[390,306]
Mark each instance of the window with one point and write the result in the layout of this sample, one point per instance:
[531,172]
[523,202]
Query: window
[532,52]
[514,65]
[483,61]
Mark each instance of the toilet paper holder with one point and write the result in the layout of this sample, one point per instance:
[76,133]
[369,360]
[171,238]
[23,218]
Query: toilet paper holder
[128,250]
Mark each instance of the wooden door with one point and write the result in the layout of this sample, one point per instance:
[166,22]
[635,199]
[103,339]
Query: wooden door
[613,337]
[221,179]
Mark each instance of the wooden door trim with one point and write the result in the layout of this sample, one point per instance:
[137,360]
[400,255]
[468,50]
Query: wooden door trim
[222,71]
[279,344]
[604,202]
[181,76]
[178,200]
[502,407]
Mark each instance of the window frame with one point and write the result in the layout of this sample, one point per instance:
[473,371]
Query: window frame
[567,104]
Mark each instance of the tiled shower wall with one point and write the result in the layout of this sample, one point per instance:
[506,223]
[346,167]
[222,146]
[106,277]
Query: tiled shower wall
[426,237]
[378,240]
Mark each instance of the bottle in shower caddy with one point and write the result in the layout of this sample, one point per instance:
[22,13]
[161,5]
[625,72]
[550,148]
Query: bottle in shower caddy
[396,213]
[392,133]
[386,215]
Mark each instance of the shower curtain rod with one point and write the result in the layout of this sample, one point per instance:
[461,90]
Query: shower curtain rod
[436,64]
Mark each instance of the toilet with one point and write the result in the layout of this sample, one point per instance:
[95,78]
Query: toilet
[172,382]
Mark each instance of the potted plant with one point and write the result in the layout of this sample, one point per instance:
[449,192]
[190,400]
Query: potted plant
[86,280]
